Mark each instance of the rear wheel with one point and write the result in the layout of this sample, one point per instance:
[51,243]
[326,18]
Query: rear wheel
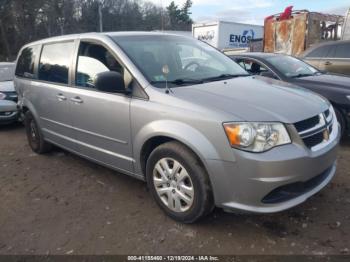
[34,135]
[179,183]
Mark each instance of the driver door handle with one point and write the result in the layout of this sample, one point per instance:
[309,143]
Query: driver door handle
[328,63]
[77,100]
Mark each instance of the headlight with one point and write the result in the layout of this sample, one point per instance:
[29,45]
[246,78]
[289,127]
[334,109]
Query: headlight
[256,137]
[348,97]
[2,96]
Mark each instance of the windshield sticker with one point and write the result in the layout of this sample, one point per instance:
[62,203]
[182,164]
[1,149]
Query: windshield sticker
[159,78]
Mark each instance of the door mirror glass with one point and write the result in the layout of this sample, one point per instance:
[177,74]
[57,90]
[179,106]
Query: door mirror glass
[110,82]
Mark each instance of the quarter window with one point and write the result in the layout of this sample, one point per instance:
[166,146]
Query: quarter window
[26,62]
[92,60]
[55,62]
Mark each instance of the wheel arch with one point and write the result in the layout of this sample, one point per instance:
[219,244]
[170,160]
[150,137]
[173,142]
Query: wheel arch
[26,106]
[157,133]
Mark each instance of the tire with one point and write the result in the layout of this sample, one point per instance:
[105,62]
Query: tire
[189,189]
[341,121]
[35,138]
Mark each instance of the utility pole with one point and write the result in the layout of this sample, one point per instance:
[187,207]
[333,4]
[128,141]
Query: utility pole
[162,15]
[100,16]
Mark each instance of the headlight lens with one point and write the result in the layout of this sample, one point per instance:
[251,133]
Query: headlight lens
[256,137]
[2,96]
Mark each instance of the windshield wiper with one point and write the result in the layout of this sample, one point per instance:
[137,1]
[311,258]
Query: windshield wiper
[301,75]
[224,76]
[184,81]
[180,81]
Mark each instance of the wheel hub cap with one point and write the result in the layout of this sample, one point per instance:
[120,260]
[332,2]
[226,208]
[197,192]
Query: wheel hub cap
[173,185]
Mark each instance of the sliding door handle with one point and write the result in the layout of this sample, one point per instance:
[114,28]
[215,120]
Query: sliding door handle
[76,100]
[61,97]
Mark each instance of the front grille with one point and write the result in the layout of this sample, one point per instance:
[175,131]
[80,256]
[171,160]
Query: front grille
[326,113]
[314,140]
[307,123]
[315,130]
[8,113]
[12,96]
[290,191]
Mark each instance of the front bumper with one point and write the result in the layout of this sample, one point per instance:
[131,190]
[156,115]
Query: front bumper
[253,178]
[8,112]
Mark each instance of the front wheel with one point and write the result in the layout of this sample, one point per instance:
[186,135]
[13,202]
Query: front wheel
[341,121]
[179,183]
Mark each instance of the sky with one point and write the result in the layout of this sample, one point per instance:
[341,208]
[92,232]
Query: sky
[254,11]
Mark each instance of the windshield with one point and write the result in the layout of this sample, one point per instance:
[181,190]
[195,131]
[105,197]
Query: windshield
[177,60]
[6,72]
[292,67]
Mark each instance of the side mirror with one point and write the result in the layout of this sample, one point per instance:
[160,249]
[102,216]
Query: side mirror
[110,82]
[268,74]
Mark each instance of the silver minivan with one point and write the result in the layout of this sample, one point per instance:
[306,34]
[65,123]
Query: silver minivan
[182,116]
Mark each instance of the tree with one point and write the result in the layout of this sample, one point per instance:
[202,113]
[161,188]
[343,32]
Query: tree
[179,18]
[23,21]
[185,12]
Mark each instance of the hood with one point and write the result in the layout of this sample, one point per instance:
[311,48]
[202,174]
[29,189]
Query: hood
[337,81]
[255,99]
[7,86]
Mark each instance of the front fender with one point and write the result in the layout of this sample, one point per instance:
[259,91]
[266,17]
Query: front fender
[176,130]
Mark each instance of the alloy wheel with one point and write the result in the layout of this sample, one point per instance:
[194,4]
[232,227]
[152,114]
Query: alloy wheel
[173,185]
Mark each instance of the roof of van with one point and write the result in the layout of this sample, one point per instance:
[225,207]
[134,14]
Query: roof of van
[103,34]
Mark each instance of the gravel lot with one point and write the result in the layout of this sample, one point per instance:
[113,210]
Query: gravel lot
[62,204]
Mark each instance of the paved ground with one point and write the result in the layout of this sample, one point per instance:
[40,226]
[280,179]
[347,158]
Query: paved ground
[62,204]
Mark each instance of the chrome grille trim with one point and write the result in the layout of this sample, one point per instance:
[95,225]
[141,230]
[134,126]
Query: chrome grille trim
[325,122]
[315,129]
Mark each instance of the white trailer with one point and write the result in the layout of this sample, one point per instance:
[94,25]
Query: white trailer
[227,35]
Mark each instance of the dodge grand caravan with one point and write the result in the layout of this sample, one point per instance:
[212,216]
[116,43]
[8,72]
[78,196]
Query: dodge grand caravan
[180,115]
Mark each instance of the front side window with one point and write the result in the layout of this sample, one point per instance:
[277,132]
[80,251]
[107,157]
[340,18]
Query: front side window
[55,61]
[319,52]
[253,67]
[342,51]
[92,60]
[292,67]
[26,62]
[185,59]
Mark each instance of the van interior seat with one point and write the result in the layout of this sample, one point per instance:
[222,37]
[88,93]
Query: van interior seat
[153,67]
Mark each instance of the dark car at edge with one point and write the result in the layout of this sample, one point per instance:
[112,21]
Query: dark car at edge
[336,88]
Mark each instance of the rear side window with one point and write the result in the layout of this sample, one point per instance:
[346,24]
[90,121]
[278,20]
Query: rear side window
[26,62]
[55,61]
[321,51]
[342,51]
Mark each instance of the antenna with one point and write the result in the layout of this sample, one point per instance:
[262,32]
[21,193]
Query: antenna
[162,16]
[165,70]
